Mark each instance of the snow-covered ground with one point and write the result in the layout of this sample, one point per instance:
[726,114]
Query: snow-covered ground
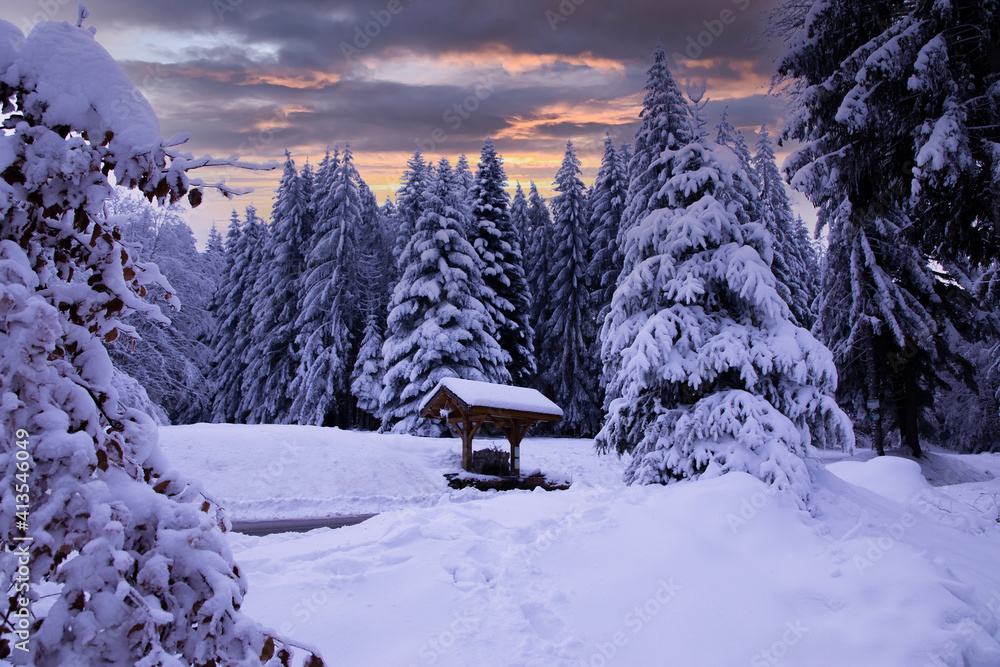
[884,569]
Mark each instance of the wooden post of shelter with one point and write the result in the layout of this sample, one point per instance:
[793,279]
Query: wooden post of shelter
[467,405]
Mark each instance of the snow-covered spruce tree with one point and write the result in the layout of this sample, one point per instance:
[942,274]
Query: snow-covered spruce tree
[409,200]
[795,263]
[661,129]
[664,127]
[567,359]
[607,207]
[926,90]
[865,165]
[215,251]
[519,216]
[625,159]
[494,238]
[896,328]
[970,419]
[714,376]
[273,355]
[463,174]
[749,193]
[140,573]
[366,377]
[326,308]
[465,182]
[438,325]
[226,308]
[538,258]
[374,264]
[320,182]
[258,258]
[234,317]
[171,362]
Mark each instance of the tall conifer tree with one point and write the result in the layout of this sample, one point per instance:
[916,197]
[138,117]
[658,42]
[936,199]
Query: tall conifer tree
[569,332]
[711,375]
[438,325]
[494,238]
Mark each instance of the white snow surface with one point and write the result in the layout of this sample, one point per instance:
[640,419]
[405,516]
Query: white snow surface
[490,395]
[883,569]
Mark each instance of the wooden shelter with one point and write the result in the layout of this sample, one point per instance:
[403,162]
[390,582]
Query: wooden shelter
[467,405]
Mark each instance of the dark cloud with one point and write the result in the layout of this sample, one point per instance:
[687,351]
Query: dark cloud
[254,77]
[310,33]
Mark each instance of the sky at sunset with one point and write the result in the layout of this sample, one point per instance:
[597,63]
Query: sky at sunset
[255,78]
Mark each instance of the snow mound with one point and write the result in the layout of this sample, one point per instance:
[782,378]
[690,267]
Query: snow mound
[890,476]
[77,83]
[901,481]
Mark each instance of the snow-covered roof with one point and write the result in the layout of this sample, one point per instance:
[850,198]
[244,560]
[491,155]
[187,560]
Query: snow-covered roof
[495,396]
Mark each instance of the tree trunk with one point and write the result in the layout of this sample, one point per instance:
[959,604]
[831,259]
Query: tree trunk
[910,412]
[878,438]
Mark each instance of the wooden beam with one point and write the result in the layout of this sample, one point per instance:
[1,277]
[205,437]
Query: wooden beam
[467,430]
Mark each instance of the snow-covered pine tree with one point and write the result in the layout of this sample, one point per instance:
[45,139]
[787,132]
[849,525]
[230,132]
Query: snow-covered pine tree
[625,157]
[465,180]
[258,263]
[664,127]
[494,238]
[519,217]
[322,178]
[714,376]
[607,207]
[273,355]
[925,93]
[661,129]
[130,558]
[226,308]
[866,161]
[234,320]
[366,377]
[438,325]
[463,175]
[409,200]
[326,308]
[568,334]
[892,324]
[747,196]
[538,258]
[374,264]
[215,251]
[795,264]
[747,190]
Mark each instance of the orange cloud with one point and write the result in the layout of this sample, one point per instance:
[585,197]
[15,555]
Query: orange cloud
[411,67]
[620,111]
[741,80]
[517,63]
[287,78]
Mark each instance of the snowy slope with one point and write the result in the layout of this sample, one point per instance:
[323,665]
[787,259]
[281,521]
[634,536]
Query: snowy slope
[883,569]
